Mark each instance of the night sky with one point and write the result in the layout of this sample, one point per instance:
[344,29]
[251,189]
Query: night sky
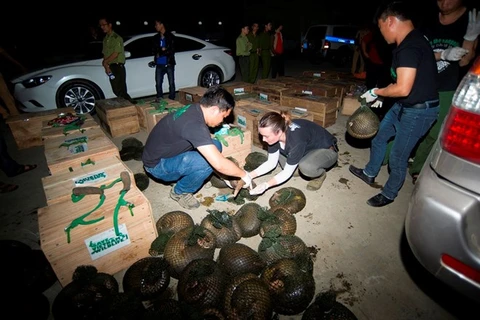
[38,28]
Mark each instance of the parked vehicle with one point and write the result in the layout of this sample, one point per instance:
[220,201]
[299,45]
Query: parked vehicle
[443,220]
[80,84]
[324,42]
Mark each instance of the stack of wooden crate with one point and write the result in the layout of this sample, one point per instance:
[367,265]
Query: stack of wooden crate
[237,146]
[118,116]
[95,216]
[191,94]
[150,112]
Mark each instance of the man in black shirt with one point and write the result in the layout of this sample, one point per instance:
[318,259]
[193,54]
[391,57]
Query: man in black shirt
[414,72]
[180,147]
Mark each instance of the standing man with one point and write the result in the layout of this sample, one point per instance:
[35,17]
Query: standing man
[164,57]
[265,46]
[5,94]
[243,47]
[254,53]
[114,60]
[453,38]
[180,147]
[415,87]
[278,59]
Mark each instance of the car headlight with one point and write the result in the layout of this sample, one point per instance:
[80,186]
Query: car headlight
[34,82]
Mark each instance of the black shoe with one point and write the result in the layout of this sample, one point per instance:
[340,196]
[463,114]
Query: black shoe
[359,174]
[379,201]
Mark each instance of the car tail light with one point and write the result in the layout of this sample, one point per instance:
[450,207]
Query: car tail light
[326,44]
[461,131]
[461,267]
[229,52]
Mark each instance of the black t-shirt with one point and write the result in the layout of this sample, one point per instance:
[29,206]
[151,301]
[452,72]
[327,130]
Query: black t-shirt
[302,137]
[176,133]
[442,37]
[415,52]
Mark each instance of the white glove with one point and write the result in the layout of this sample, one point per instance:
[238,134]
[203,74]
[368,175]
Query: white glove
[228,184]
[453,54]
[369,96]
[248,180]
[473,27]
[261,188]
[377,104]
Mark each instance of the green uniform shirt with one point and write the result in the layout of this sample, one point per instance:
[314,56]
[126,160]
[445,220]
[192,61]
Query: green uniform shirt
[254,41]
[265,41]
[243,46]
[113,43]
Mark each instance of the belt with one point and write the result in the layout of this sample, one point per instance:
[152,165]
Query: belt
[423,105]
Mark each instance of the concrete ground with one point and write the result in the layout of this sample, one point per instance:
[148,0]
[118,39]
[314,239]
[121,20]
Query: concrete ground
[360,251]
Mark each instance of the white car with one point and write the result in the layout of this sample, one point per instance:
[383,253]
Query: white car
[80,84]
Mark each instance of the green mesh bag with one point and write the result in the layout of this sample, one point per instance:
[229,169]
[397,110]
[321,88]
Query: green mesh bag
[363,123]
[291,288]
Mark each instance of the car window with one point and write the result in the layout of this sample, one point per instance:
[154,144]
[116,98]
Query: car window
[140,48]
[184,44]
[316,33]
[345,32]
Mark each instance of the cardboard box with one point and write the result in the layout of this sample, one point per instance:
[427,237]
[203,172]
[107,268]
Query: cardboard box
[27,127]
[191,95]
[118,117]
[50,131]
[78,149]
[109,234]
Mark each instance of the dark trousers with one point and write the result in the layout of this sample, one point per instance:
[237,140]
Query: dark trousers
[278,66]
[244,63]
[160,72]
[119,84]
[7,164]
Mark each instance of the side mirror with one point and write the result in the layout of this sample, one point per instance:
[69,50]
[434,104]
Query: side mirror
[127,54]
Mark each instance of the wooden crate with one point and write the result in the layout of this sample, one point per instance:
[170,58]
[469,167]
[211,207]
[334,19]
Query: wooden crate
[324,109]
[272,93]
[350,104]
[237,147]
[27,127]
[323,74]
[118,117]
[149,113]
[49,131]
[191,95]
[63,158]
[97,244]
[58,187]
[246,117]
[238,87]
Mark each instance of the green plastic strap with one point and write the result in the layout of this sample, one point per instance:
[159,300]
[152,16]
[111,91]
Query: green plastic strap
[89,161]
[81,220]
[231,132]
[121,202]
[75,141]
[180,111]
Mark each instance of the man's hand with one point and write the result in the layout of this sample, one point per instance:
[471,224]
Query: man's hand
[453,54]
[261,188]
[369,96]
[377,104]
[248,180]
[473,27]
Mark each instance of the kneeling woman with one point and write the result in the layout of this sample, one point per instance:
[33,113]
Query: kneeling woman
[295,143]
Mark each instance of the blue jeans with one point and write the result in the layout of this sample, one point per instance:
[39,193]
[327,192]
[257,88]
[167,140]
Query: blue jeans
[160,72]
[189,169]
[408,127]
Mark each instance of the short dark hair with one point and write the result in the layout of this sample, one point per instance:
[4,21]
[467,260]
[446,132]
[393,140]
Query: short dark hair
[400,9]
[218,96]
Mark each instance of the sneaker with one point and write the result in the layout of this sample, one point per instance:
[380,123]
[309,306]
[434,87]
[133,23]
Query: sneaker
[315,184]
[186,200]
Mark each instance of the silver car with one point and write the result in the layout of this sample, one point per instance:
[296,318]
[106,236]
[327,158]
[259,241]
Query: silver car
[443,219]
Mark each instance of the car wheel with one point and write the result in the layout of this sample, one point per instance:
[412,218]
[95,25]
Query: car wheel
[79,94]
[210,77]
